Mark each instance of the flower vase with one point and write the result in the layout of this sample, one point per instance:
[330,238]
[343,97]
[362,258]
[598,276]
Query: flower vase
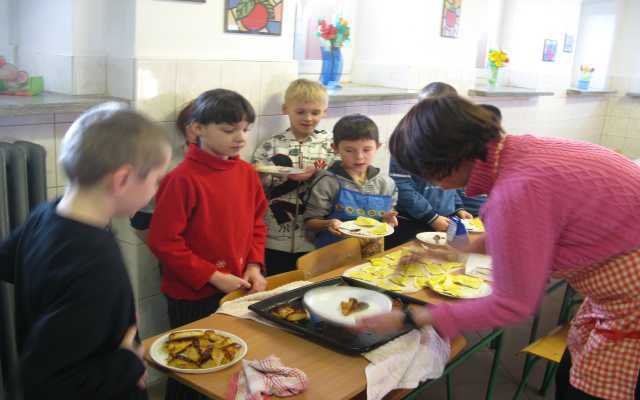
[331,67]
[493,76]
[584,82]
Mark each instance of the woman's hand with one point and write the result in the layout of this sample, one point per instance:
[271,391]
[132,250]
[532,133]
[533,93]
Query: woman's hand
[308,173]
[228,282]
[381,324]
[391,218]
[253,275]
[440,224]
[129,343]
[332,227]
[464,214]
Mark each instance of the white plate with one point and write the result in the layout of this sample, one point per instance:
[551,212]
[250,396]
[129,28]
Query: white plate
[325,303]
[429,238]
[277,170]
[160,355]
[350,228]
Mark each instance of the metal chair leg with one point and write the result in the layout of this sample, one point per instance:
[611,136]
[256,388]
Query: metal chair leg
[528,367]
[497,343]
[449,386]
[549,374]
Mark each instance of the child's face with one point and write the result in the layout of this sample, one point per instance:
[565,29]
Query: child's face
[135,192]
[223,140]
[304,117]
[357,155]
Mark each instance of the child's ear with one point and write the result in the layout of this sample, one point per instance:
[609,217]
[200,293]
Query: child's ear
[334,147]
[378,145]
[120,178]
[197,128]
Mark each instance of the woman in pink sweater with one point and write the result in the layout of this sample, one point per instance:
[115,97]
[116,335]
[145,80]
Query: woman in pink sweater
[556,207]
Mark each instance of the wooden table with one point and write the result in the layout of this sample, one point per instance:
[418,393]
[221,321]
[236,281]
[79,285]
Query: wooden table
[332,375]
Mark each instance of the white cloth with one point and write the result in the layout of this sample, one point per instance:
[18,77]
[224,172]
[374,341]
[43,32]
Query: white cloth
[400,364]
[405,362]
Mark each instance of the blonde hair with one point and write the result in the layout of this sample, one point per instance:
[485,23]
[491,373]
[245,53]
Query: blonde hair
[107,137]
[305,91]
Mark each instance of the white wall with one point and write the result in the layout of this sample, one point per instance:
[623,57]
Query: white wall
[186,30]
[526,24]
[7,29]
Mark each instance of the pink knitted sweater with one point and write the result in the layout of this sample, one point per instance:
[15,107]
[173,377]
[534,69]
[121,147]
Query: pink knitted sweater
[555,204]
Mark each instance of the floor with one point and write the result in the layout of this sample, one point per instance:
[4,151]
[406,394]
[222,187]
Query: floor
[470,378]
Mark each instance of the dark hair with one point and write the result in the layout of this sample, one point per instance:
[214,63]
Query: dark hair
[184,118]
[497,114]
[222,106]
[355,127]
[437,89]
[439,133]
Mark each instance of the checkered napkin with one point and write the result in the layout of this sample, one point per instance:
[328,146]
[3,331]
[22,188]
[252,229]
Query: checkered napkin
[260,378]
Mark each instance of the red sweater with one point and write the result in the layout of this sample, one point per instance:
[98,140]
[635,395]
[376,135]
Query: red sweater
[208,217]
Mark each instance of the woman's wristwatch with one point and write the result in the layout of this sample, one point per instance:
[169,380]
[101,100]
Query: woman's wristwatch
[408,318]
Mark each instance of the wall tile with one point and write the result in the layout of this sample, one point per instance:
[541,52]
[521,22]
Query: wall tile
[59,131]
[41,134]
[121,77]
[268,125]
[33,119]
[613,142]
[156,89]
[154,318]
[244,78]
[89,75]
[275,77]
[195,77]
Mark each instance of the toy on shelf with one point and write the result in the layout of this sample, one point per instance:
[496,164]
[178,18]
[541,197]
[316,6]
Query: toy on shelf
[14,82]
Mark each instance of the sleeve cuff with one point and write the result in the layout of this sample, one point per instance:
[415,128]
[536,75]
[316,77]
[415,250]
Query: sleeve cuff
[430,217]
[443,321]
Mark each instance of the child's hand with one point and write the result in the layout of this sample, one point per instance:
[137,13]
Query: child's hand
[440,224]
[332,227]
[391,218]
[253,275]
[228,282]
[309,172]
[464,214]
[129,343]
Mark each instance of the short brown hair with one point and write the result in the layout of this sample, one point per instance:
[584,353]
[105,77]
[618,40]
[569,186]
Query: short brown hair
[305,90]
[439,133]
[107,137]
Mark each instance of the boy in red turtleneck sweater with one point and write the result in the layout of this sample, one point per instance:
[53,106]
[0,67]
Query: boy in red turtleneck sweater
[207,229]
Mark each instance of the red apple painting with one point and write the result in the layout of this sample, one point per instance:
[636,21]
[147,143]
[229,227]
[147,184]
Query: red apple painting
[262,17]
[451,18]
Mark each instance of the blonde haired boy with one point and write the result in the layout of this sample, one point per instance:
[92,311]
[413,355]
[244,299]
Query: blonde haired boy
[301,146]
[75,313]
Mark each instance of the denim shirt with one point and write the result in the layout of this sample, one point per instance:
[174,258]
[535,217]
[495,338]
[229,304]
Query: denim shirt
[421,200]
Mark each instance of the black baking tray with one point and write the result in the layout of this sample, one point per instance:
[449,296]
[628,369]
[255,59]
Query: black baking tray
[335,336]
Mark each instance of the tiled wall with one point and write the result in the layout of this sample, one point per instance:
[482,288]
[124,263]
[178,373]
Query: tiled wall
[46,130]
[622,126]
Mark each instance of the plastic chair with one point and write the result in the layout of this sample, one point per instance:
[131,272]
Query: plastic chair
[273,282]
[335,255]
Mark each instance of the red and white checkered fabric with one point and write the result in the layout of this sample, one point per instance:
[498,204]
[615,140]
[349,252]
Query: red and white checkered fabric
[604,339]
[260,378]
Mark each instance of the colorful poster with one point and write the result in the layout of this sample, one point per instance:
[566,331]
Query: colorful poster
[549,51]
[451,18]
[261,17]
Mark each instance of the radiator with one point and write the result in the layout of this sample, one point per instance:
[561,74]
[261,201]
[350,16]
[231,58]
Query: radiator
[23,185]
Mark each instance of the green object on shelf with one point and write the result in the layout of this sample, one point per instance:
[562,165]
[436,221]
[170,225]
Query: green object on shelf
[35,85]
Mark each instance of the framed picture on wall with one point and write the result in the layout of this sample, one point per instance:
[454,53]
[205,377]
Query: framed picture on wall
[549,51]
[568,43]
[451,18]
[257,17]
